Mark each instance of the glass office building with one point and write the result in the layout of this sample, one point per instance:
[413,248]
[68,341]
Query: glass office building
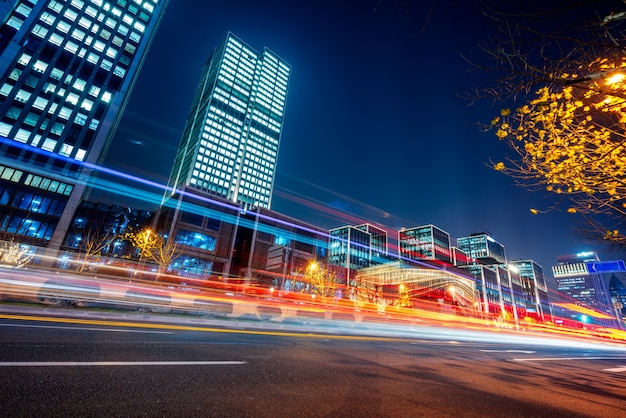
[350,247]
[424,243]
[535,289]
[483,248]
[378,242]
[231,138]
[66,71]
[577,285]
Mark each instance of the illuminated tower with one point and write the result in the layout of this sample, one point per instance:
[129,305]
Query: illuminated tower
[66,72]
[230,143]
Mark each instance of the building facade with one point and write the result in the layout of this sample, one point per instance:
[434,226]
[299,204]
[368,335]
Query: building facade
[483,248]
[67,69]
[424,243]
[231,138]
[535,289]
[350,247]
[577,284]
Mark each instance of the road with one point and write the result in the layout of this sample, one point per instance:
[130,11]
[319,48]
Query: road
[86,367]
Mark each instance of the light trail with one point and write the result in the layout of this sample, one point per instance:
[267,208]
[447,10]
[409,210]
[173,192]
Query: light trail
[384,333]
[116,363]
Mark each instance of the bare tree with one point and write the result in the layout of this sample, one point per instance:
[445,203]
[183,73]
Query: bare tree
[92,244]
[165,254]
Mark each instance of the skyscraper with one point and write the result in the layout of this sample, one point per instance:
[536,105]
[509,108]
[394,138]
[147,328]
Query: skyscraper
[66,72]
[230,142]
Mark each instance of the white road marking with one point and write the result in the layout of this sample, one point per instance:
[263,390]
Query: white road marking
[115,363]
[87,329]
[509,351]
[616,369]
[568,358]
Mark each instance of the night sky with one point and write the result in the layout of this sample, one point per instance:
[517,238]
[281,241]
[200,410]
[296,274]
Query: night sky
[375,128]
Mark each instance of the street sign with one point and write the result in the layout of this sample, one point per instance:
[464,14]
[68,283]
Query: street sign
[615,266]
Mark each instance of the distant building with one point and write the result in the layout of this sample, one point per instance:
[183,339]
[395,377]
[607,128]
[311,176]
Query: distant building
[378,242]
[483,248]
[535,289]
[356,247]
[578,285]
[66,73]
[424,243]
[617,289]
[230,143]
[459,257]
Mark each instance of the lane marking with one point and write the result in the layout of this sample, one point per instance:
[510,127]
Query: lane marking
[616,369]
[568,358]
[509,351]
[115,363]
[87,329]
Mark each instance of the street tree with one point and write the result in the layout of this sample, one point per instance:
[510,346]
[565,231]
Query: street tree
[92,244]
[14,255]
[323,283]
[562,68]
[145,242]
[164,254]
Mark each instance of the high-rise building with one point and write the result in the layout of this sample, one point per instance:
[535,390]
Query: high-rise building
[231,138]
[66,72]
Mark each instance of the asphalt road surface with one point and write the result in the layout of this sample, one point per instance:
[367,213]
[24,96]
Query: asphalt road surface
[87,367]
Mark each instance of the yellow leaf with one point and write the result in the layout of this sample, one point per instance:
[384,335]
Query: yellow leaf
[499,166]
[505,112]
[534,211]
[571,210]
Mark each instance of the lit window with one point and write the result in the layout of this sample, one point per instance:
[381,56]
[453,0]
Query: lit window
[40,66]
[87,105]
[71,47]
[79,84]
[140,27]
[66,150]
[80,154]
[49,144]
[15,22]
[22,135]
[47,18]
[56,39]
[5,128]
[94,91]
[6,89]
[71,15]
[22,96]
[84,22]
[65,113]
[99,46]
[24,59]
[72,98]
